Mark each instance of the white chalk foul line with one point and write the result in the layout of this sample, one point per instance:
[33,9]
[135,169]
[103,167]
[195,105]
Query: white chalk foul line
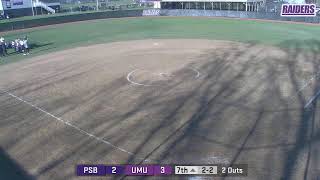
[308,82]
[312,99]
[71,125]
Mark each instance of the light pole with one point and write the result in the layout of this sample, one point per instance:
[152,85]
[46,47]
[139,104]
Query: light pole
[32,7]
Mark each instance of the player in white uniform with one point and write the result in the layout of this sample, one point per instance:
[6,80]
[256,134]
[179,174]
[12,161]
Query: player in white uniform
[17,45]
[13,45]
[21,46]
[26,46]
[2,47]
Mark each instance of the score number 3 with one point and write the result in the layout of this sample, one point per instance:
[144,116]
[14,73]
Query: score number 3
[163,170]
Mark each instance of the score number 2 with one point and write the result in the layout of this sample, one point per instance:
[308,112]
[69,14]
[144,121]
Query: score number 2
[114,170]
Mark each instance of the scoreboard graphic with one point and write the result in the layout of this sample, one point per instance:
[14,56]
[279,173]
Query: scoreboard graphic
[161,170]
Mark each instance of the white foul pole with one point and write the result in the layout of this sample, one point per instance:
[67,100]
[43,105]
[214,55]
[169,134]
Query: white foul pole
[32,7]
[97,5]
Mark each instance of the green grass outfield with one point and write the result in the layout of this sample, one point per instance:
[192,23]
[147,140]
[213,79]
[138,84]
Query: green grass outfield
[54,38]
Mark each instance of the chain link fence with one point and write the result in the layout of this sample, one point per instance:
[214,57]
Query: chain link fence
[70,6]
[233,14]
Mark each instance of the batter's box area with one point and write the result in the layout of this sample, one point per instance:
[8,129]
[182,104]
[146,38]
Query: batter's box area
[156,102]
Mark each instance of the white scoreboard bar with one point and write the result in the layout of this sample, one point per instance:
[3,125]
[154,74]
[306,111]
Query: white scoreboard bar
[195,170]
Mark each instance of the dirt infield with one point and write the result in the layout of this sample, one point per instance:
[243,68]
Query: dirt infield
[162,101]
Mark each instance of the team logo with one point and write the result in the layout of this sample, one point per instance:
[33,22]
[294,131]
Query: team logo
[298,10]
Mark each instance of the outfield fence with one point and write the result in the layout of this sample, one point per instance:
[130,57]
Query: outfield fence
[43,21]
[233,14]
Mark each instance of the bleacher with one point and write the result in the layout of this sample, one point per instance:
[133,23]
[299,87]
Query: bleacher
[49,6]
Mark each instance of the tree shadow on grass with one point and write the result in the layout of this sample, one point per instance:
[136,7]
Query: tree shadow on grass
[306,131]
[39,45]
